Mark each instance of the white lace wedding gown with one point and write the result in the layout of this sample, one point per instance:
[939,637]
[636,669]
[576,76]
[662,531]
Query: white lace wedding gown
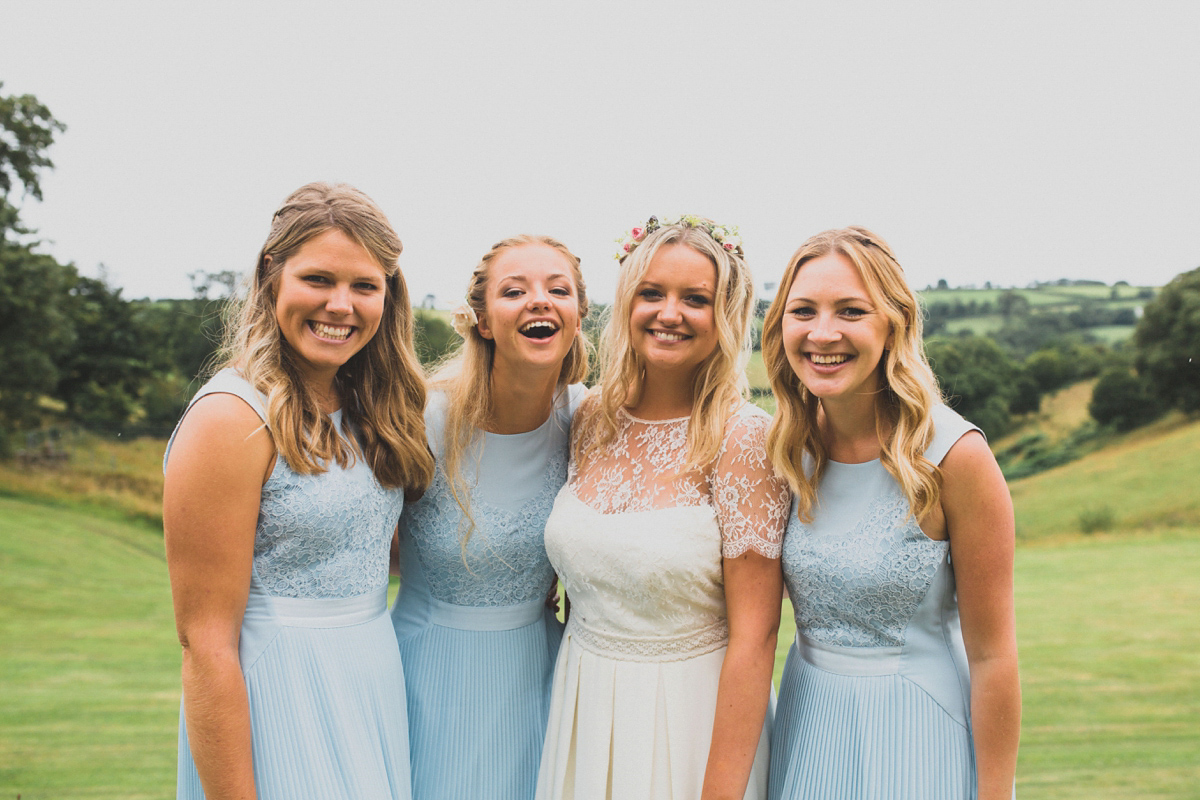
[639,550]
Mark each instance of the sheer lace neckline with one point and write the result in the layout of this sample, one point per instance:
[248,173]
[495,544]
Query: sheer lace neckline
[634,418]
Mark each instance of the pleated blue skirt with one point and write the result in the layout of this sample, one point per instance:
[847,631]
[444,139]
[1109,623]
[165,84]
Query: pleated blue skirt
[478,682]
[849,726]
[326,694]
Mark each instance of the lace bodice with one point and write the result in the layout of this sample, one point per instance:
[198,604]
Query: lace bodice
[639,471]
[639,547]
[859,572]
[513,481]
[324,535]
[860,589]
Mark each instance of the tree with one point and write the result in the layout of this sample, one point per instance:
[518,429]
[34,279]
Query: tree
[978,379]
[35,332]
[1012,304]
[102,374]
[1168,342]
[27,130]
[1123,400]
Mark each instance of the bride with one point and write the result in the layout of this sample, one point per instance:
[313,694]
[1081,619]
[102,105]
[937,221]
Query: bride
[667,540]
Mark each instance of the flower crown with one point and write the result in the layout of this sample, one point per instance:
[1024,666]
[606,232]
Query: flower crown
[463,318]
[725,235]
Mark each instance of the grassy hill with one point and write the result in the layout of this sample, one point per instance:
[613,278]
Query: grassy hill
[90,672]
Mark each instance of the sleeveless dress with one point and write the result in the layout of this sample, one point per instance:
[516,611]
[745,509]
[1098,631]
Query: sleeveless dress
[874,701]
[477,640]
[322,670]
[639,549]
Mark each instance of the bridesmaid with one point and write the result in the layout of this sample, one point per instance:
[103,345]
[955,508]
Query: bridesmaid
[902,682]
[667,539]
[477,639]
[284,483]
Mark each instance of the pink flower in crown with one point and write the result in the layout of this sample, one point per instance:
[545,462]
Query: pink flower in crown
[728,246]
[638,233]
[628,246]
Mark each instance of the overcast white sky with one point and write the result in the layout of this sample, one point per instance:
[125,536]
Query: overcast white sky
[1009,141]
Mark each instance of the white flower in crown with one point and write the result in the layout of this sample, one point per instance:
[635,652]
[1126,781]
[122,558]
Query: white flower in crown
[463,319]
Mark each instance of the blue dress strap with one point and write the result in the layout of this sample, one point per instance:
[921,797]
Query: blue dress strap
[227,381]
[948,427]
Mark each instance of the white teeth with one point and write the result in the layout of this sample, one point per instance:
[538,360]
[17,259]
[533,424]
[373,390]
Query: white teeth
[331,331]
[539,324]
[668,337]
[828,359]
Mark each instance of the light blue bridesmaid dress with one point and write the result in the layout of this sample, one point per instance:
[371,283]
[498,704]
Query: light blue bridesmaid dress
[875,697]
[477,640]
[322,669]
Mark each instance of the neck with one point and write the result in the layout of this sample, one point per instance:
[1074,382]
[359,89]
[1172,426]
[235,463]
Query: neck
[848,427]
[520,403]
[324,390]
[664,397]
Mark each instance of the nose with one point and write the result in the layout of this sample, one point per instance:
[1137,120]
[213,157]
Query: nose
[669,314]
[339,301]
[824,330]
[538,297]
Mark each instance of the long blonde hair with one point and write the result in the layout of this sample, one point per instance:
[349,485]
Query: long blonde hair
[381,387]
[720,384]
[465,377]
[902,406]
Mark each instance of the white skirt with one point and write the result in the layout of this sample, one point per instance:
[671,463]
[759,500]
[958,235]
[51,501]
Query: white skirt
[622,728]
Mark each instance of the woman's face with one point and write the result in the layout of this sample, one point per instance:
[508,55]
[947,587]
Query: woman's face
[833,334]
[672,320]
[532,311]
[329,302]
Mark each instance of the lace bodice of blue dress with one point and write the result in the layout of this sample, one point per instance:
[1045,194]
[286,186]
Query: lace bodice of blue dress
[874,701]
[322,670]
[512,482]
[323,535]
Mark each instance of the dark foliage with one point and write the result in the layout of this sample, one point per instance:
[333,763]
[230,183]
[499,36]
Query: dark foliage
[1168,343]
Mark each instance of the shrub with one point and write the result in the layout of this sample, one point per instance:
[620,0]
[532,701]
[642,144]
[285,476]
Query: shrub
[1096,520]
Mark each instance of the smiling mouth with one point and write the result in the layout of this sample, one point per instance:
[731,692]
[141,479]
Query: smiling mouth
[664,336]
[828,360]
[542,329]
[337,333]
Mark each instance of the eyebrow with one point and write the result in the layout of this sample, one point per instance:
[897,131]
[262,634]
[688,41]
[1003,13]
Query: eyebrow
[839,302]
[524,279]
[700,288]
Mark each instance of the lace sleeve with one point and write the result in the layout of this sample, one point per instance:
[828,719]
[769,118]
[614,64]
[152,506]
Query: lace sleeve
[750,500]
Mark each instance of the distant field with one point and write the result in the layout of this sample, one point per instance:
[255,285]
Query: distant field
[1041,296]
[981,325]
[1112,334]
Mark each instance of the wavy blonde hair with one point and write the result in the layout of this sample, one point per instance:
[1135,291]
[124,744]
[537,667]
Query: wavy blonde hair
[909,389]
[465,376]
[381,387]
[720,384]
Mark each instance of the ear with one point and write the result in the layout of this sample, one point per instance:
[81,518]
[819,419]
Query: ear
[482,326]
